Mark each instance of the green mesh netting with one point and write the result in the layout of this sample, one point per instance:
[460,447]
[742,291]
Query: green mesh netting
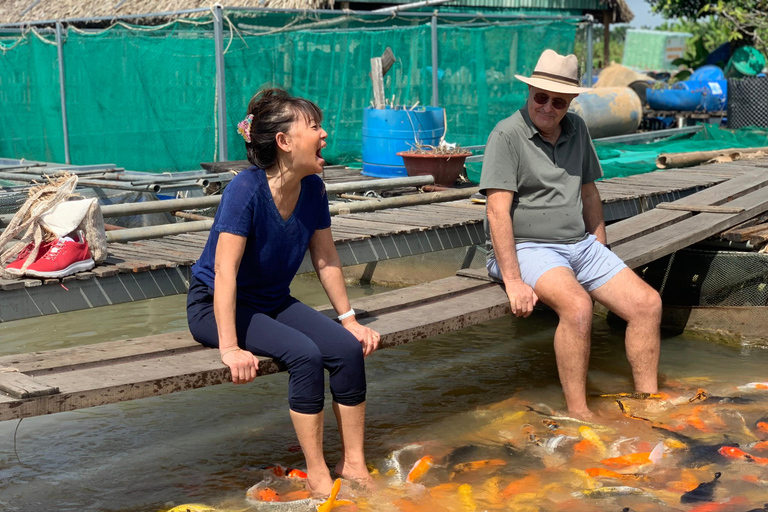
[620,160]
[30,115]
[144,98]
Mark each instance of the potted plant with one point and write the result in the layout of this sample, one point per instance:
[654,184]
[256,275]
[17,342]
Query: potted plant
[445,162]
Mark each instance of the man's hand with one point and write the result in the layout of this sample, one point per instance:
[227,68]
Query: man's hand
[367,337]
[522,298]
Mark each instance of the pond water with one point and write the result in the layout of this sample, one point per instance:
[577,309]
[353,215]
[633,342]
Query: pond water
[461,397]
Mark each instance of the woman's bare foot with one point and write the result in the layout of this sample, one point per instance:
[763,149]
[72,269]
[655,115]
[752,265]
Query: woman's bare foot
[357,473]
[319,485]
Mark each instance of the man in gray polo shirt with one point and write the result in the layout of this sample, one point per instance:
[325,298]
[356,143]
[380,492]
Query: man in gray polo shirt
[546,234]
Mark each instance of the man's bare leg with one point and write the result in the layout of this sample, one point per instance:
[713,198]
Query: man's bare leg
[559,289]
[640,305]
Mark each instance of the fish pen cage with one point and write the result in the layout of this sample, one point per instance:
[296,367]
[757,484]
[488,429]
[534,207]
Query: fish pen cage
[166,97]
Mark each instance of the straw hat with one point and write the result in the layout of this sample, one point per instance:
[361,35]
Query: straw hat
[555,73]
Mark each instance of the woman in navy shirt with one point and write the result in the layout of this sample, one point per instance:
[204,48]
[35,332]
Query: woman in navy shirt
[239,298]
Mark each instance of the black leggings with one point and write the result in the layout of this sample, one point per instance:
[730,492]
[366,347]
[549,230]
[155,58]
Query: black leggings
[295,335]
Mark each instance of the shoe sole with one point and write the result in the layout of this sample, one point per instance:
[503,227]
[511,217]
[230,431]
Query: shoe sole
[78,266]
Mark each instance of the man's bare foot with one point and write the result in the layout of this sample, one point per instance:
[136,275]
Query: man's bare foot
[319,486]
[584,415]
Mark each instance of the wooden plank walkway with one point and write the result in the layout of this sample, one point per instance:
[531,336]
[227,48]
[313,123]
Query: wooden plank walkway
[160,267]
[63,380]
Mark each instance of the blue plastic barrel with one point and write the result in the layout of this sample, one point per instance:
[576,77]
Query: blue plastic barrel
[707,73]
[388,131]
[690,95]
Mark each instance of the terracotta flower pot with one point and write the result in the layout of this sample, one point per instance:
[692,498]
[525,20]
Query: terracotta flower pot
[445,168]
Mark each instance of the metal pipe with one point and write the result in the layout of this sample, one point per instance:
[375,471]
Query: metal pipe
[397,202]
[382,184]
[221,92]
[145,233]
[161,178]
[590,49]
[435,94]
[62,90]
[170,205]
[30,178]
[415,5]
[190,216]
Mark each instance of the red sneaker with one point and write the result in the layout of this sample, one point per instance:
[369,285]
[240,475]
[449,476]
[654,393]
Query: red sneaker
[64,257]
[25,252]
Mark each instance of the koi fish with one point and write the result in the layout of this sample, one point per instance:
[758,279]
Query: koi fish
[687,482]
[704,492]
[762,426]
[634,396]
[477,464]
[420,468]
[530,432]
[192,507]
[589,435]
[267,494]
[754,386]
[636,459]
[284,472]
[762,446]
[607,473]
[607,492]
[720,505]
[332,503]
[524,485]
[466,498]
[733,452]
[563,419]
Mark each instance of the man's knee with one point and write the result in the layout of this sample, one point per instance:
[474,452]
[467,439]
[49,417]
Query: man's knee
[647,304]
[577,313]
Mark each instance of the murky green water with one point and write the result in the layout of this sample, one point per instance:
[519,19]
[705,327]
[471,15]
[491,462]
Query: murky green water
[462,389]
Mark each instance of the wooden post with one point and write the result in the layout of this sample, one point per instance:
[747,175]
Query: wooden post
[606,39]
[377,77]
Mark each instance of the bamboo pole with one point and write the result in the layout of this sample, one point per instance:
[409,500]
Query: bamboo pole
[671,160]
[401,201]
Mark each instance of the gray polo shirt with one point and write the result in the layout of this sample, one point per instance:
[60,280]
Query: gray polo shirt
[546,180]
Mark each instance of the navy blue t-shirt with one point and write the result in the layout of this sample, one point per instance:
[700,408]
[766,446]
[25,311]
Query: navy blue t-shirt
[274,248]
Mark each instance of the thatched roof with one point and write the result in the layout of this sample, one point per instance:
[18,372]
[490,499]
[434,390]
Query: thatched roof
[15,11]
[619,12]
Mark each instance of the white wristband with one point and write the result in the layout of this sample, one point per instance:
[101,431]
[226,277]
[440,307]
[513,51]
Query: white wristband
[348,314]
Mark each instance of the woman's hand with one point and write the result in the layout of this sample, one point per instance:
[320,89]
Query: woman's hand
[367,337]
[242,365]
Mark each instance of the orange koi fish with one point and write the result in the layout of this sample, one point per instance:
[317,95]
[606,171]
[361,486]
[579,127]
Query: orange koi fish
[477,464]
[287,472]
[332,503]
[267,494]
[526,484]
[687,482]
[732,452]
[591,436]
[754,386]
[420,468]
[762,426]
[719,506]
[636,459]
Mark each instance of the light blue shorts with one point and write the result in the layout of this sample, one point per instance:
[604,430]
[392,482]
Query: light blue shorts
[591,262]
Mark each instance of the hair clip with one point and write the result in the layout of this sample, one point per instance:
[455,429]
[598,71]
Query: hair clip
[244,127]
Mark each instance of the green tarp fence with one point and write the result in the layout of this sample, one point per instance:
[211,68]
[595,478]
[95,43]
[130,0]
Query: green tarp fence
[144,98]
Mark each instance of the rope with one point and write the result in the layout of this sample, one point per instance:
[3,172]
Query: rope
[27,220]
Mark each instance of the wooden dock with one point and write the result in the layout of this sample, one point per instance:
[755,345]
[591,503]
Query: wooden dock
[160,267]
[67,379]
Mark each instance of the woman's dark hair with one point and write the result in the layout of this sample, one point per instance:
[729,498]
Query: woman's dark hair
[274,110]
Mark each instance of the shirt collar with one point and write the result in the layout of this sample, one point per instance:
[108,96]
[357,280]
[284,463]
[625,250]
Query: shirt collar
[566,124]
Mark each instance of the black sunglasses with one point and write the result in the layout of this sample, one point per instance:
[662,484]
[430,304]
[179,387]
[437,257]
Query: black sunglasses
[557,103]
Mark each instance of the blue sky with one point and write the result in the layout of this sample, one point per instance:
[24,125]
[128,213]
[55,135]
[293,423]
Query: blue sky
[643,15]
